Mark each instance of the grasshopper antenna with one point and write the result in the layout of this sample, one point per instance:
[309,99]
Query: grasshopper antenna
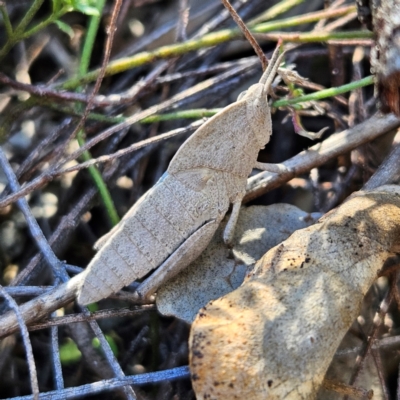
[273,65]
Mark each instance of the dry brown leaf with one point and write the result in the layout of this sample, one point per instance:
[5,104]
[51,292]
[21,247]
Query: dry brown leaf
[274,337]
[219,270]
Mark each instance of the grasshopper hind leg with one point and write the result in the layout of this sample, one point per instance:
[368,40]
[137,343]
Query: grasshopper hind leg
[190,249]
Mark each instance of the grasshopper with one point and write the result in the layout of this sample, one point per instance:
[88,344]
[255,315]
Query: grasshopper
[173,222]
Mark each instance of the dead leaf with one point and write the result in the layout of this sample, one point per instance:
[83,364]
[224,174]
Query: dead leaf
[274,337]
[219,270]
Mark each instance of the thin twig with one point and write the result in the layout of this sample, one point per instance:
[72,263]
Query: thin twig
[272,12]
[357,108]
[336,144]
[329,5]
[38,308]
[376,352]
[112,360]
[182,21]
[388,172]
[134,147]
[55,354]
[246,32]
[30,163]
[111,384]
[83,336]
[27,343]
[378,321]
[378,363]
[106,57]
[354,392]
[217,21]
[129,96]
[345,38]
[23,291]
[34,228]
[378,344]
[208,40]
[134,345]
[57,265]
[58,238]
[82,317]
[341,21]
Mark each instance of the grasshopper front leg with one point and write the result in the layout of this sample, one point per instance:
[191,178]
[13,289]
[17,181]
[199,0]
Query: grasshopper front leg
[230,226]
[229,230]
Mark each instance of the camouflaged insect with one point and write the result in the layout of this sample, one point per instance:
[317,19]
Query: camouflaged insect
[173,222]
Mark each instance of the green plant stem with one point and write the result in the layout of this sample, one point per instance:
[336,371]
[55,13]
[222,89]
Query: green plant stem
[90,38]
[299,20]
[28,16]
[19,35]
[93,116]
[101,186]
[87,51]
[274,11]
[205,41]
[194,113]
[41,25]
[204,112]
[105,118]
[6,20]
[323,94]
[309,37]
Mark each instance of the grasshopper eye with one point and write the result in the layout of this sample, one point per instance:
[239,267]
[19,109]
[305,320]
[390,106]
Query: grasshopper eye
[241,95]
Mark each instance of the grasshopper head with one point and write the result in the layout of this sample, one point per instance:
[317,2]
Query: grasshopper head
[256,98]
